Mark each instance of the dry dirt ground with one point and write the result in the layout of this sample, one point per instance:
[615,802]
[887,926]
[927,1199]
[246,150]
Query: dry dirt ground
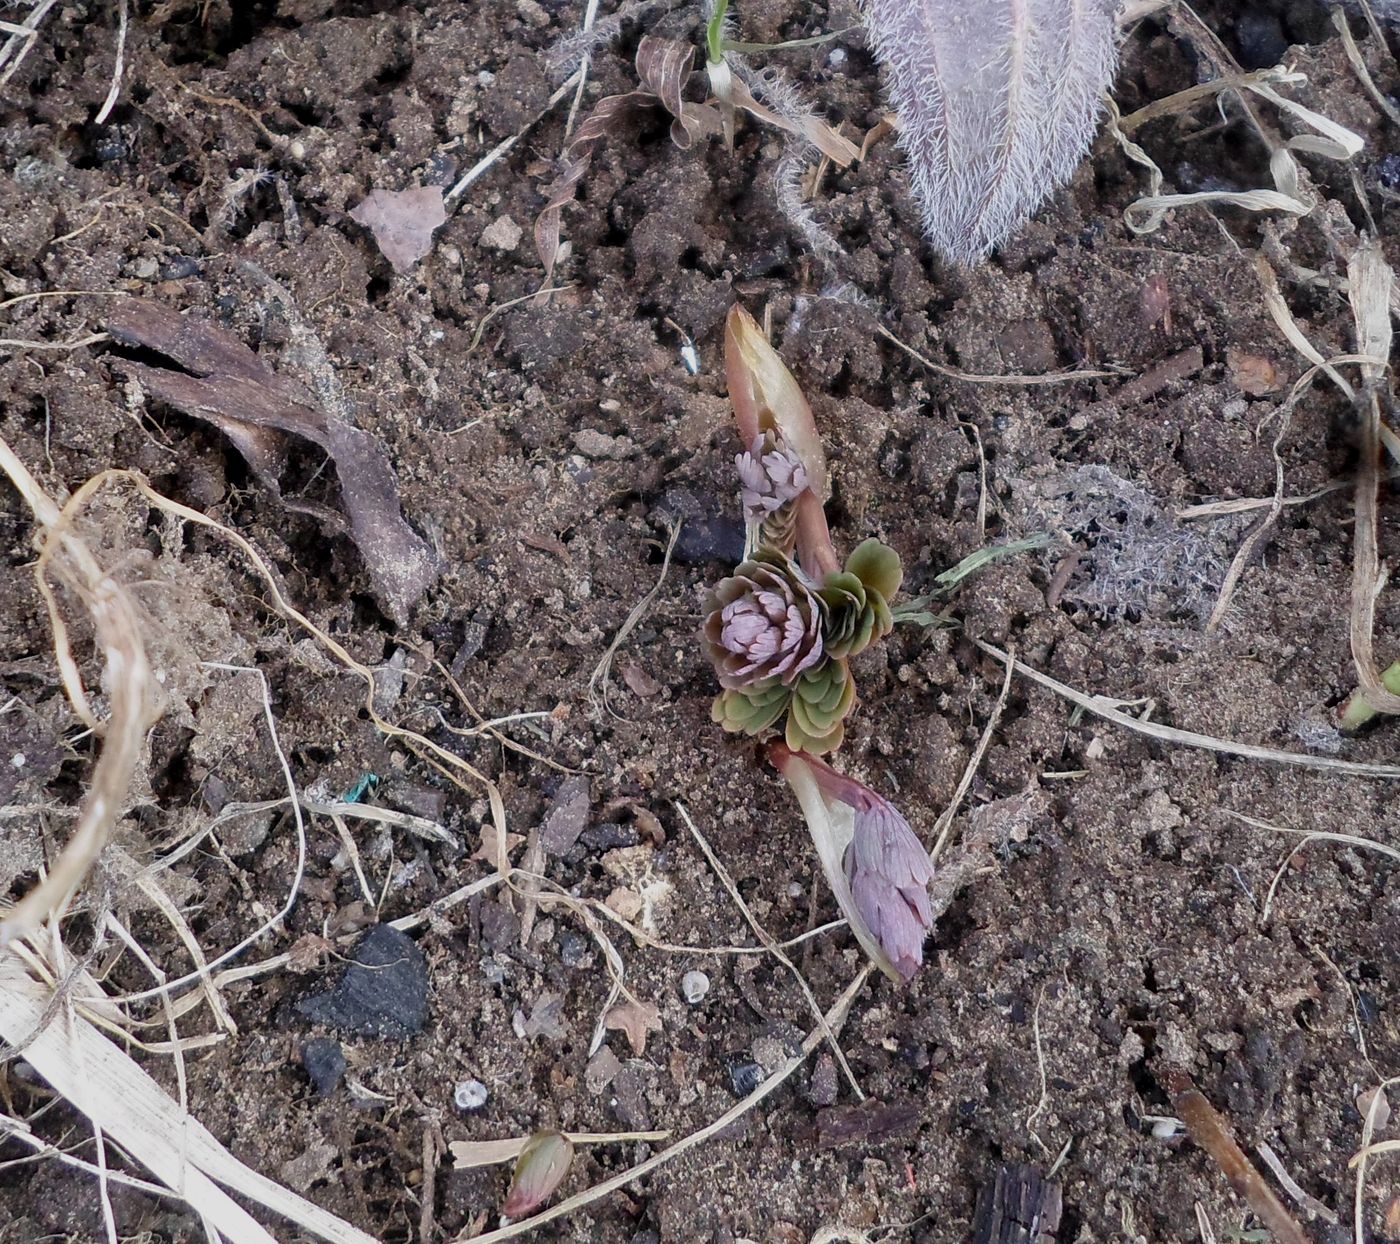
[546,452]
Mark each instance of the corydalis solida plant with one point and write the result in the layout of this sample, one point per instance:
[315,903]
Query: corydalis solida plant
[780,632]
[998,101]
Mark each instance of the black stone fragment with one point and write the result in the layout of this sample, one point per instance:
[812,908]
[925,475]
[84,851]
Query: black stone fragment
[324,1062]
[383,993]
[744,1077]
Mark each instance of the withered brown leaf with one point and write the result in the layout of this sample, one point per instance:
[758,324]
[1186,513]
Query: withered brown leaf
[226,384]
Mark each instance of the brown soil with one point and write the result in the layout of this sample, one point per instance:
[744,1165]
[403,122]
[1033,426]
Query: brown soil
[1125,910]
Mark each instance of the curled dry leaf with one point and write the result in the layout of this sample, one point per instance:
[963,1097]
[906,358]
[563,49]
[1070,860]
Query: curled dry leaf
[663,65]
[997,100]
[636,1019]
[403,222]
[226,384]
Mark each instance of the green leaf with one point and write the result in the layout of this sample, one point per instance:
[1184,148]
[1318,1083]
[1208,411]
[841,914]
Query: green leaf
[876,565]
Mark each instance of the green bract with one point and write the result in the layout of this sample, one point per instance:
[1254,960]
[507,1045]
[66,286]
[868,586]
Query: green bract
[821,699]
[752,710]
[857,599]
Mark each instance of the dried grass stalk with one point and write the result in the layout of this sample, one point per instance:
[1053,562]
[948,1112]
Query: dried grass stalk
[129,690]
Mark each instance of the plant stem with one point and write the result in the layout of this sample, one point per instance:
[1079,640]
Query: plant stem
[714,33]
[1356,710]
[815,552]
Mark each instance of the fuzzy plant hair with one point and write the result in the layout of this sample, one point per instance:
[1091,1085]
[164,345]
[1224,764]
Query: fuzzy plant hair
[998,101]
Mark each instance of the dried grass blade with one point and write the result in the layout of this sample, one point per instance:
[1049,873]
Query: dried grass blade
[105,1084]
[1370,278]
[129,695]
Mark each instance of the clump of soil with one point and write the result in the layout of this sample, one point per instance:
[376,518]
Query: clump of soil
[545,452]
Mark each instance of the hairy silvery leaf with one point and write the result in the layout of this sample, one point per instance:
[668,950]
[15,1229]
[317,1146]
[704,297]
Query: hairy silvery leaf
[998,102]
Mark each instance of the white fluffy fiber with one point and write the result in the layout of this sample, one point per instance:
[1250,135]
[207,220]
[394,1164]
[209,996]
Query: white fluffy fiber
[998,102]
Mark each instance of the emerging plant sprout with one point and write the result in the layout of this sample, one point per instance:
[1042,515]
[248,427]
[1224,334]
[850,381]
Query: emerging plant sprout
[780,633]
[781,630]
[539,1170]
[876,867]
[998,101]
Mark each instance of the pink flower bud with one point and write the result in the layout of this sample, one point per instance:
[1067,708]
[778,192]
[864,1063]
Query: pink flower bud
[886,869]
[770,477]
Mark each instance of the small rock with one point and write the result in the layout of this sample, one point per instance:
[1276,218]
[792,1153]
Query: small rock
[546,1018]
[532,13]
[383,993]
[573,949]
[415,799]
[246,833]
[602,1069]
[626,902]
[502,234]
[324,1061]
[694,986]
[610,836]
[768,1053]
[822,1090]
[592,443]
[567,816]
[629,1102]
[1260,39]
[744,1077]
[708,532]
[468,1095]
[500,927]
[308,1167]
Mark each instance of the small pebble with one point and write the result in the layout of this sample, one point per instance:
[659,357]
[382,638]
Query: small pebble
[694,986]
[609,836]
[383,993]
[324,1062]
[469,1095]
[502,234]
[1165,1129]
[573,949]
[1260,39]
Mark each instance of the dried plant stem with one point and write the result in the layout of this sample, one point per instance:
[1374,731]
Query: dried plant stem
[1103,706]
[602,673]
[1367,1151]
[452,200]
[1212,1134]
[1358,64]
[129,692]
[118,66]
[1370,280]
[944,825]
[772,948]
[834,1019]
[1011,378]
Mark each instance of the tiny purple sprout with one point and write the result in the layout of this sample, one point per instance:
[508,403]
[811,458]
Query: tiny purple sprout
[771,476]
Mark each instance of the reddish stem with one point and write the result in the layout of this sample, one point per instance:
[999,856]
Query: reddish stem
[815,551]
